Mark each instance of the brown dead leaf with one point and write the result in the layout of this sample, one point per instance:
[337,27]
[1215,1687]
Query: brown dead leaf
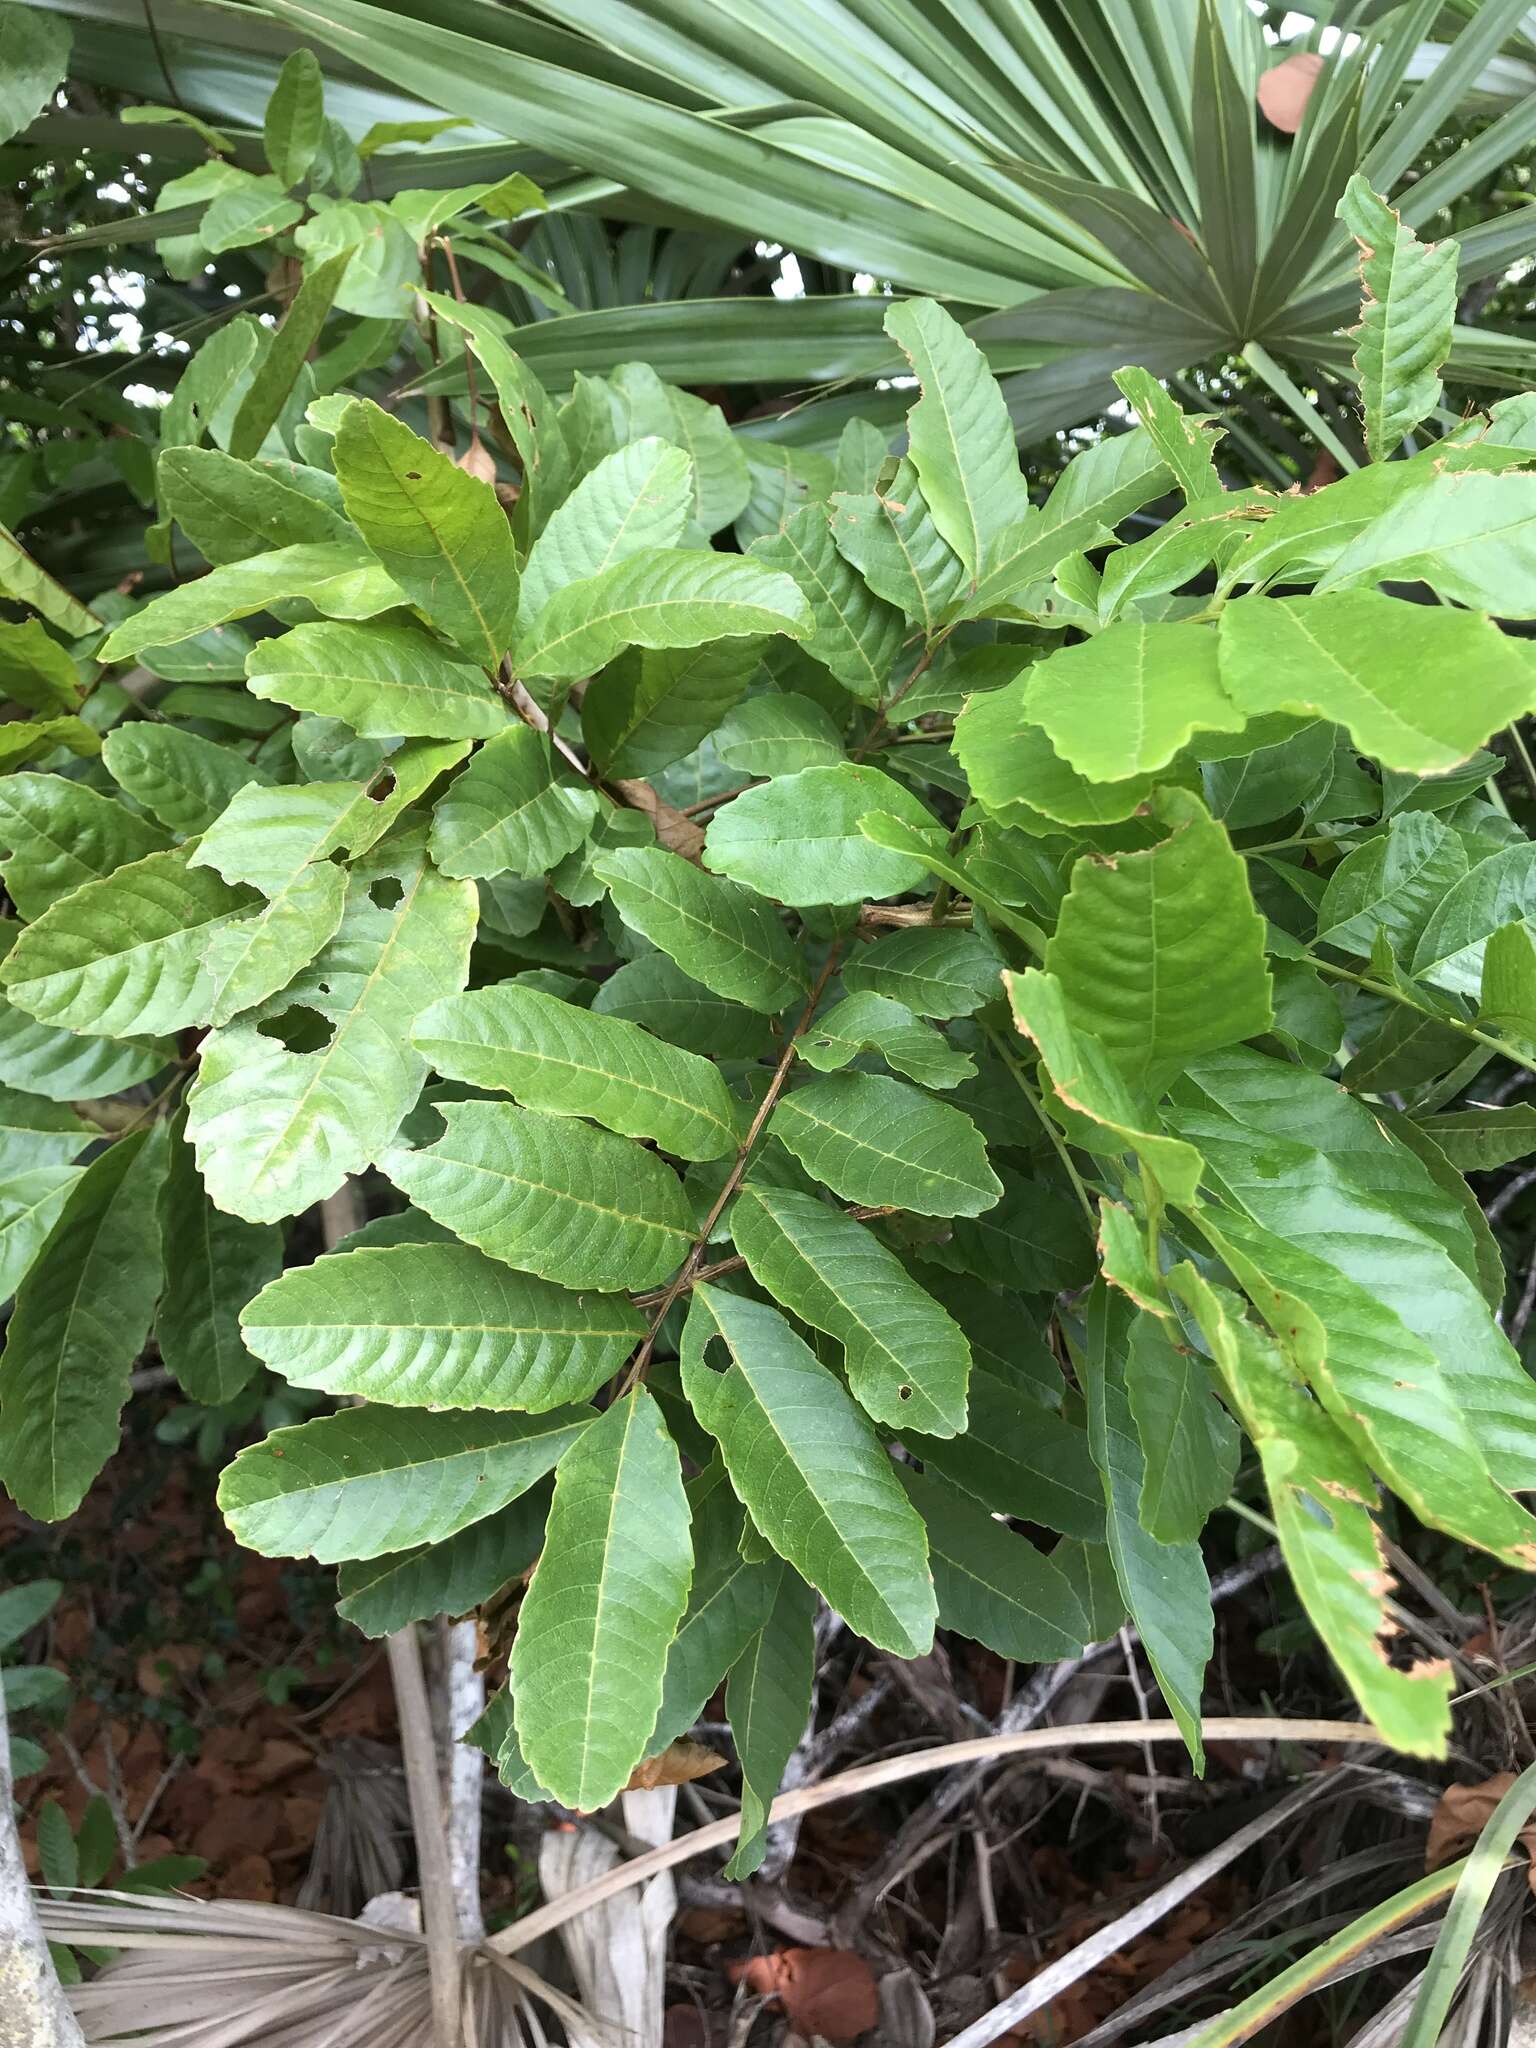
[1461,1816]
[678,1764]
[1285,89]
[478,461]
[673,831]
[825,1991]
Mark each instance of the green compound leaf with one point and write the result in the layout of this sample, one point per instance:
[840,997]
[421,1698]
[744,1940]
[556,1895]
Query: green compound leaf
[438,1326]
[667,597]
[378,679]
[126,954]
[554,1056]
[440,533]
[81,1316]
[214,1264]
[725,937]
[810,1469]
[369,1480]
[1387,671]
[1161,954]
[549,1195]
[1406,320]
[993,1586]
[278,1125]
[509,812]
[767,1702]
[1321,1495]
[605,1602]
[58,835]
[797,837]
[887,1144]
[855,634]
[907,1360]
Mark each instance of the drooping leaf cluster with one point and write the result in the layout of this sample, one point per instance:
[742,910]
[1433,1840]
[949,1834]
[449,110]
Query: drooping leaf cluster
[872,1016]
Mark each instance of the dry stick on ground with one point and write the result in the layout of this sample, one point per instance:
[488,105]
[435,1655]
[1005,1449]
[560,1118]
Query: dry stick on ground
[34,2012]
[895,1770]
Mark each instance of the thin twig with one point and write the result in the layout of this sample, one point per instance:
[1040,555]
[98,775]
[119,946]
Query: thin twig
[439,1911]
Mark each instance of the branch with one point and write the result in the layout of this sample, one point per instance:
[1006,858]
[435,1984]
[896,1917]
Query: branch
[34,2012]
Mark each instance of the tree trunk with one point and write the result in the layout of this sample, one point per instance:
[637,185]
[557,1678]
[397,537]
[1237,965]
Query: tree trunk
[33,2010]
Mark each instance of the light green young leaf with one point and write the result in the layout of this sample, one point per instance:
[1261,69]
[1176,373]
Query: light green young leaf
[907,1360]
[666,597]
[438,1326]
[636,499]
[810,1470]
[81,1316]
[652,706]
[267,837]
[1470,537]
[1498,891]
[1126,701]
[1394,883]
[1380,667]
[936,973]
[22,579]
[32,1199]
[1507,1000]
[440,533]
[1161,955]
[1186,444]
[384,261]
[183,779]
[126,954]
[530,419]
[232,510]
[339,578]
[870,1023]
[24,740]
[509,812]
[776,735]
[369,1481]
[1188,1443]
[959,433]
[995,1587]
[278,1128]
[1010,763]
[34,57]
[379,1595]
[890,538]
[1164,1584]
[603,1606]
[253,211]
[1321,1495]
[1088,1084]
[767,1701]
[855,633]
[254,957]
[35,670]
[885,1143]
[214,1264]
[554,1056]
[797,837]
[58,835]
[295,119]
[728,938]
[378,679]
[549,1195]
[1406,319]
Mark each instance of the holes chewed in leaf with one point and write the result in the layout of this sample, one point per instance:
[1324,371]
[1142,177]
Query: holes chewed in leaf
[385,893]
[299,1029]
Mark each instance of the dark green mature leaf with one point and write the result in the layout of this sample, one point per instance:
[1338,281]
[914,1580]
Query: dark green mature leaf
[1018,1456]
[655,992]
[182,779]
[1406,320]
[378,679]
[993,1586]
[1161,954]
[440,533]
[34,56]
[370,1480]
[777,735]
[810,1469]
[869,1023]
[1188,1443]
[1480,1139]
[438,1326]
[295,118]
[666,597]
[653,706]
[729,1599]
[233,510]
[906,1359]
[767,1702]
[1164,1584]
[510,812]
[605,1602]
[1392,884]
[32,1200]
[890,537]
[549,1195]
[35,670]
[214,1264]
[855,633]
[81,1316]
[936,973]
[339,578]
[554,1056]
[886,1143]
[379,1595]
[1455,935]
[797,837]
[723,936]
[59,834]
